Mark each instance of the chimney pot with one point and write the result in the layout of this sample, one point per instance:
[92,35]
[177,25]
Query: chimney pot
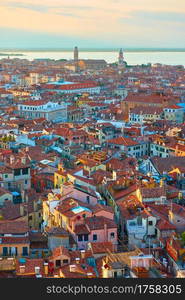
[12,159]
[77,259]
[22,269]
[46,269]
[72,268]
[82,254]
[37,270]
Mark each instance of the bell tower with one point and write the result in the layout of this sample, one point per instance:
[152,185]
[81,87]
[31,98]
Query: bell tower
[121,62]
[76,54]
[120,58]
[76,58]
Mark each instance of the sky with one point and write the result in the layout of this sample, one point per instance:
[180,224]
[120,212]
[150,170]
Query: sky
[92,23]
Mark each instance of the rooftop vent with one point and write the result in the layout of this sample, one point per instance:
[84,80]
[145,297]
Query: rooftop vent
[72,268]
[22,269]
[77,259]
[37,270]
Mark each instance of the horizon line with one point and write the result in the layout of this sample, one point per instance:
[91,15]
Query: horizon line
[93,49]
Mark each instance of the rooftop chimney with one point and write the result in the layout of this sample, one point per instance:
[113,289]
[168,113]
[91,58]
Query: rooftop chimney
[82,254]
[77,259]
[105,232]
[72,268]
[37,270]
[46,269]
[12,159]
[114,175]
[22,269]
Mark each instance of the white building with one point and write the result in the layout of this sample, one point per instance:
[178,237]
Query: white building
[41,109]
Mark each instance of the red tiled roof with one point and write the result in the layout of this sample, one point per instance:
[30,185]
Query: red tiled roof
[15,240]
[34,103]
[30,265]
[13,227]
[81,229]
[101,247]
[156,192]
[146,110]
[98,222]
[165,225]
[73,86]
[122,141]
[79,272]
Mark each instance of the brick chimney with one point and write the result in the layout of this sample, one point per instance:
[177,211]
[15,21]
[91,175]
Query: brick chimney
[77,259]
[72,268]
[22,210]
[22,269]
[105,232]
[46,271]
[82,254]
[12,159]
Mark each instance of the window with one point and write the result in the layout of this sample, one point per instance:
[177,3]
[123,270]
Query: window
[5,251]
[17,172]
[26,181]
[86,237]
[80,237]
[115,274]
[25,171]
[58,263]
[65,261]
[6,176]
[112,235]
[30,218]
[24,251]
[94,237]
[150,223]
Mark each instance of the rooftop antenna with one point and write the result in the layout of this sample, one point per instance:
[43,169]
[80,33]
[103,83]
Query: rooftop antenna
[171,206]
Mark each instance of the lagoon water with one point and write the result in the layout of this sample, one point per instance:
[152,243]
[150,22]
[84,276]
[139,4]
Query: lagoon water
[132,57]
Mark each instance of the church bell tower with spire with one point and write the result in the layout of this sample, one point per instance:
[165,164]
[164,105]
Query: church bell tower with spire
[121,62]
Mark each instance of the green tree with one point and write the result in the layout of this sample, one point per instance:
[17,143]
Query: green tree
[183,237]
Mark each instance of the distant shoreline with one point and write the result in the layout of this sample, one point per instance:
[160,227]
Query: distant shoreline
[88,50]
[11,54]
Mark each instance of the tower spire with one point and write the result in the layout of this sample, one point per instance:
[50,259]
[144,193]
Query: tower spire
[76,58]
[120,58]
[121,61]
